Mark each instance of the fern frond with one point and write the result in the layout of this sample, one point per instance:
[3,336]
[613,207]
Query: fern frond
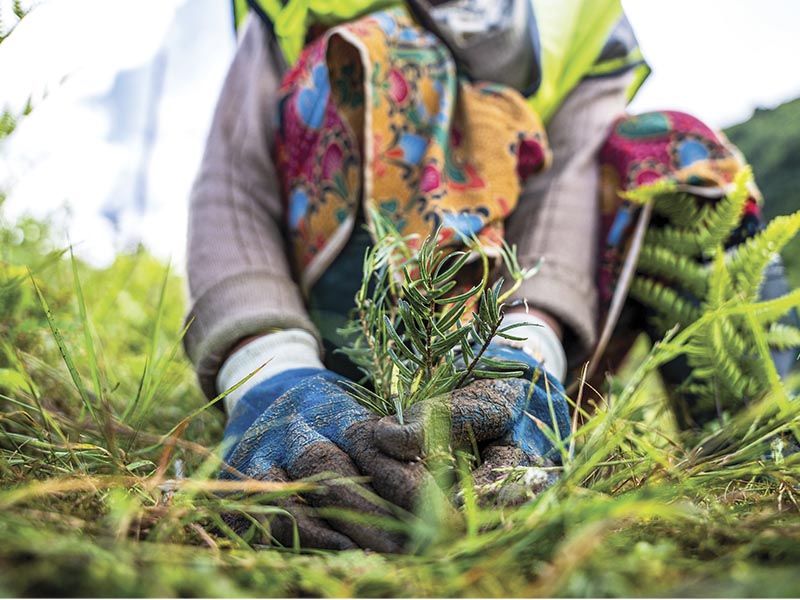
[719,222]
[733,337]
[697,353]
[724,217]
[664,300]
[702,392]
[725,352]
[685,274]
[682,209]
[647,193]
[727,361]
[769,311]
[713,230]
[665,264]
[748,261]
[783,337]
[719,283]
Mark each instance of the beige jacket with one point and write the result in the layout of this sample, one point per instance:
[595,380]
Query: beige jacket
[240,281]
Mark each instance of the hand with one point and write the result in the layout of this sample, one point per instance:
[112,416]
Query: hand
[302,423]
[515,419]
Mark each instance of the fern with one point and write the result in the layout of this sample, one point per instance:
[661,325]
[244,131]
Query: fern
[682,209]
[750,258]
[646,193]
[719,283]
[725,372]
[684,274]
[664,263]
[727,343]
[767,312]
[667,302]
[719,221]
[782,337]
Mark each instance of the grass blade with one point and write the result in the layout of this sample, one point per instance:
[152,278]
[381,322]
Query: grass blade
[65,354]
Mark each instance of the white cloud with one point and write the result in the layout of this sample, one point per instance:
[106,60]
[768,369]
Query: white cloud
[717,60]
[59,38]
[101,72]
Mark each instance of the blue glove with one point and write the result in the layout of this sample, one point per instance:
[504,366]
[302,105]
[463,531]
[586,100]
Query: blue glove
[301,423]
[509,416]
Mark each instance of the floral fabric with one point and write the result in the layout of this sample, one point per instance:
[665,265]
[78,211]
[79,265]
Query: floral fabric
[374,116]
[655,147]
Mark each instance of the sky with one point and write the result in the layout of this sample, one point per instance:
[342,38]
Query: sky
[718,60]
[123,92]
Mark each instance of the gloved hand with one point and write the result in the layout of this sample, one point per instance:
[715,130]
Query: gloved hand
[301,423]
[516,419]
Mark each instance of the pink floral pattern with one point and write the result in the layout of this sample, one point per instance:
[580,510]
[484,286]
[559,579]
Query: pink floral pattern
[373,115]
[657,146]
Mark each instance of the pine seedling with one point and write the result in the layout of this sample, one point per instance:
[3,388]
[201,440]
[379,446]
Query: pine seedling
[417,330]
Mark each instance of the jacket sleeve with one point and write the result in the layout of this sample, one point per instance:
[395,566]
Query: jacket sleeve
[557,218]
[240,281]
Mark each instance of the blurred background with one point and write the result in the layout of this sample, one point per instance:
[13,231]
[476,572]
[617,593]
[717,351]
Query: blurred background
[122,92]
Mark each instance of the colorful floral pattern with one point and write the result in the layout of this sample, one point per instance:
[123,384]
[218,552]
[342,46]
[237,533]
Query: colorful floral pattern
[652,147]
[373,115]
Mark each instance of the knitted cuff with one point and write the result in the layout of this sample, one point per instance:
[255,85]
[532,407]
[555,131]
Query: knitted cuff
[277,352]
[541,342]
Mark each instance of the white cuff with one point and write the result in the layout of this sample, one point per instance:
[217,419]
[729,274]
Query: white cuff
[281,351]
[541,342]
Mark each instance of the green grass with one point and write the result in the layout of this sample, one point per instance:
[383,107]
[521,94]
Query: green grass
[99,408]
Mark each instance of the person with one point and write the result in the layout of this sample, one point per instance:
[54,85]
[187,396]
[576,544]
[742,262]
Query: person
[484,117]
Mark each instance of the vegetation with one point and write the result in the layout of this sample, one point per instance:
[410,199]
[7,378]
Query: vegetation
[770,143]
[108,462]
[102,422]
[9,22]
[685,271]
[418,329]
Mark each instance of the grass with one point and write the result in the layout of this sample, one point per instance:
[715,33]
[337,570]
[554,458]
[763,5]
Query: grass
[108,462]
